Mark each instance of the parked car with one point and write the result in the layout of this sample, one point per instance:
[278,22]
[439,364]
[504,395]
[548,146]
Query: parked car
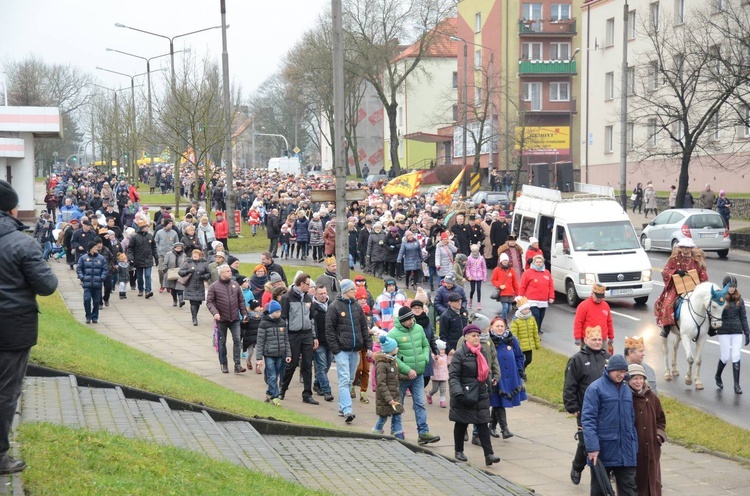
[374,178]
[705,227]
[494,198]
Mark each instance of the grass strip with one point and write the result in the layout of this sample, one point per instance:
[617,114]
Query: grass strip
[65,461]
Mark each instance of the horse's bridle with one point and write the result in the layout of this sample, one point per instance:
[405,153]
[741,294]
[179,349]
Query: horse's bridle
[711,318]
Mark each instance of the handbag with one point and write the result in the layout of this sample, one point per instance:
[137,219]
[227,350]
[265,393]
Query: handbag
[602,477]
[471,393]
[184,280]
[495,294]
[633,197]
[173,274]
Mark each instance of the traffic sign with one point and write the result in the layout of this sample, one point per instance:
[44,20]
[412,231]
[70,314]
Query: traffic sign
[296,149]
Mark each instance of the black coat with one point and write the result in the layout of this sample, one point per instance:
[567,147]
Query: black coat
[273,226]
[23,275]
[142,250]
[393,245]
[583,368]
[462,371]
[346,327]
[195,289]
[362,238]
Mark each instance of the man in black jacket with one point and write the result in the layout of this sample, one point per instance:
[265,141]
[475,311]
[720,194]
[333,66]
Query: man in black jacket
[226,303]
[23,275]
[323,355]
[81,238]
[295,311]
[462,233]
[364,236]
[142,255]
[266,258]
[583,368]
[273,231]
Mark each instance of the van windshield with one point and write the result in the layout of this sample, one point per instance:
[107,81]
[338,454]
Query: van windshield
[602,236]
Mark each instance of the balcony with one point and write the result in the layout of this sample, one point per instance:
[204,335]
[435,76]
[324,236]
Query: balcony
[547,67]
[546,27]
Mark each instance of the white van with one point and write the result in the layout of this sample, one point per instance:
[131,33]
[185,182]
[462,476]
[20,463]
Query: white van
[586,238]
[285,165]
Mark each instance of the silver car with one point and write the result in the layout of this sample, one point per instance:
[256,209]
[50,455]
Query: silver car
[705,227]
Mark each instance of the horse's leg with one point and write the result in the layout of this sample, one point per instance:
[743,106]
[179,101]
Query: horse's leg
[675,346]
[698,359]
[665,352]
[689,354]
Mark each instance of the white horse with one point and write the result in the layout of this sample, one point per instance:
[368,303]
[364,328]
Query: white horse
[700,310]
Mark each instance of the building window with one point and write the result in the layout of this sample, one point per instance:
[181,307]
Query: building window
[455,113]
[478,59]
[478,97]
[609,139]
[654,74]
[677,130]
[679,11]
[654,16]
[631,25]
[560,12]
[746,123]
[630,137]
[455,79]
[559,51]
[609,86]
[652,133]
[716,128]
[559,92]
[531,11]
[679,61]
[532,92]
[400,115]
[631,80]
[715,54]
[478,22]
[610,33]
[531,51]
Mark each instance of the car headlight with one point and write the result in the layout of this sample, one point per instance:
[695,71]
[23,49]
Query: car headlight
[645,275]
[587,278]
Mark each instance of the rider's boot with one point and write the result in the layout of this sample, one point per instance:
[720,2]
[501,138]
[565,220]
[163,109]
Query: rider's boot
[665,331]
[736,372]
[719,369]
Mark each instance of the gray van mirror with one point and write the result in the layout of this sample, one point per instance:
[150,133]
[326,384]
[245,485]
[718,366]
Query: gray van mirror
[560,250]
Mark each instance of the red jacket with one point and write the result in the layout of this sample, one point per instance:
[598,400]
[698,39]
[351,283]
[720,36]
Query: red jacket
[133,194]
[221,229]
[508,278]
[531,252]
[537,285]
[592,314]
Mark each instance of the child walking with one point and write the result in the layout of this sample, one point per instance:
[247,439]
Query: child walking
[387,391]
[272,347]
[284,241]
[524,328]
[123,275]
[476,274]
[439,373]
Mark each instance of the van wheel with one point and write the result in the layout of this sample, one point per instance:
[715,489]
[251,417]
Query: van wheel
[722,253]
[571,294]
[641,300]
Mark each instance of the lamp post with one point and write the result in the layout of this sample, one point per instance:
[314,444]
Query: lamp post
[570,96]
[624,111]
[114,92]
[286,142]
[173,89]
[227,120]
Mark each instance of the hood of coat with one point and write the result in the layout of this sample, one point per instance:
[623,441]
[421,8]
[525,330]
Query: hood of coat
[9,224]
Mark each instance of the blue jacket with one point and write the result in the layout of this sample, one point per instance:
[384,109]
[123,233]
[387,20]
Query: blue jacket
[411,254]
[608,421]
[92,270]
[300,230]
[441,297]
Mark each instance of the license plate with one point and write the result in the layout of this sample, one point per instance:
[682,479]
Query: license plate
[707,235]
[621,292]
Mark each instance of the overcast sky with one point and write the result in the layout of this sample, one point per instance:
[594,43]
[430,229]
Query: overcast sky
[77,32]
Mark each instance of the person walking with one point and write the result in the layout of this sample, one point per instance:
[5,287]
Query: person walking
[476,273]
[733,328]
[323,355]
[510,390]
[272,350]
[708,197]
[537,286]
[142,255]
[23,276]
[505,281]
[174,260]
[525,330]
[592,312]
[608,421]
[164,239]
[387,395]
[649,197]
[638,197]
[194,273]
[583,368]
[92,270]
[346,333]
[226,303]
[469,381]
[723,206]
[296,306]
[672,201]
[410,254]
[651,426]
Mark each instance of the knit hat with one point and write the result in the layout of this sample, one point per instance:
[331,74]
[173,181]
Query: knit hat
[231,260]
[361,293]
[472,328]
[533,240]
[450,279]
[390,281]
[220,254]
[273,277]
[404,314]
[617,362]
[440,344]
[241,280]
[522,303]
[387,344]
[346,285]
[444,235]
[634,342]
[8,196]
[593,331]
[502,213]
[686,243]
[454,297]
[636,369]
[416,303]
[258,267]
[475,248]
[253,304]
[274,306]
[504,258]
[359,277]
[421,295]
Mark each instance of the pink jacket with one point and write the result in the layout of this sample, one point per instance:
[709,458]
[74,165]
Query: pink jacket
[476,268]
[440,368]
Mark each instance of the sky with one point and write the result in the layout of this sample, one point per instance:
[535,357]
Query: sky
[77,32]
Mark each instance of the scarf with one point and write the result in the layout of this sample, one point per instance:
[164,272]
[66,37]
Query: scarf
[257,285]
[538,269]
[483,370]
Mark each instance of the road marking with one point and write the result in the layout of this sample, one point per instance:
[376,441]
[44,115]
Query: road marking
[626,316]
[656,283]
[736,274]
[717,343]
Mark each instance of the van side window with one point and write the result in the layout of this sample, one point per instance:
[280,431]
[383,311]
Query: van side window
[562,237]
[527,228]
[517,224]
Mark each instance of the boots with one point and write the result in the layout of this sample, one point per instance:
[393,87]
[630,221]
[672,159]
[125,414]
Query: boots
[122,295]
[181,300]
[493,424]
[665,331]
[736,372]
[194,313]
[503,420]
[719,369]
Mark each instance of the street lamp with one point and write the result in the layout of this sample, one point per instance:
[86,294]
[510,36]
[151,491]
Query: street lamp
[570,96]
[276,135]
[114,92]
[624,111]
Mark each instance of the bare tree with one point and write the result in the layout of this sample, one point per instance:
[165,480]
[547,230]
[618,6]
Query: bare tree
[375,29]
[685,88]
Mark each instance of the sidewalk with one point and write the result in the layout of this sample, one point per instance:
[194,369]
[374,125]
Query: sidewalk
[538,456]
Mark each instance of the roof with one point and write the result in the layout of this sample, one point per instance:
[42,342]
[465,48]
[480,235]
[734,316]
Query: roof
[427,137]
[441,47]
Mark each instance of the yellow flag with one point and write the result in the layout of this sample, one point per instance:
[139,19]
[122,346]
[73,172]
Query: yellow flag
[444,197]
[406,185]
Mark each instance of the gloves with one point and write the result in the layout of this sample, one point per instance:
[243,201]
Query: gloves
[747,339]
[611,347]
[680,272]
[397,407]
[578,342]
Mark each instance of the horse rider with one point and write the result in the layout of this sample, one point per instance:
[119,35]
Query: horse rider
[684,258]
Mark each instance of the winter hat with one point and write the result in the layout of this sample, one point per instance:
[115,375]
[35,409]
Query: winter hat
[220,254]
[253,304]
[504,258]
[346,285]
[8,196]
[404,314]
[533,240]
[502,213]
[361,293]
[617,362]
[475,248]
[472,328]
[274,277]
[482,321]
[214,244]
[241,280]
[636,369]
[454,297]
[440,344]
[450,279]
[390,281]
[522,303]
[274,306]
[421,295]
[359,277]
[444,235]
[416,303]
[231,260]
[387,344]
